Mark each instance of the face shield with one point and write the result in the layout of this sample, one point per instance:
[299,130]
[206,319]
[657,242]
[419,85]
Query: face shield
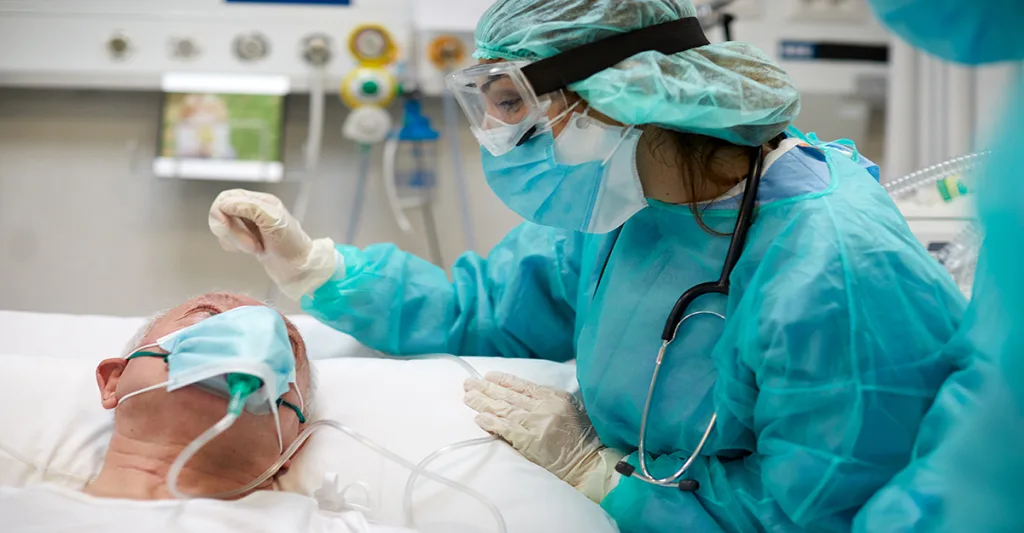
[507,103]
[500,104]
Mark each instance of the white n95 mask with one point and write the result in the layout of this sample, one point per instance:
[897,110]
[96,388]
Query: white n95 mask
[250,340]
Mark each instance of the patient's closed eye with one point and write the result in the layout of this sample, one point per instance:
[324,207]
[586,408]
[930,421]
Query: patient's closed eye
[202,309]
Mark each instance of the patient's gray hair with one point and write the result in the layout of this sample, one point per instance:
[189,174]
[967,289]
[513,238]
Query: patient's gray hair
[136,341]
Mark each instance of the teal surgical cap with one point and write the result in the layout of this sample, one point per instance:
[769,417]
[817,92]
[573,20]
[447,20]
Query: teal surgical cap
[730,90]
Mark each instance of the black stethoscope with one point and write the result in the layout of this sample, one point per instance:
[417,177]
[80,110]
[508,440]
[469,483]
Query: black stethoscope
[678,316]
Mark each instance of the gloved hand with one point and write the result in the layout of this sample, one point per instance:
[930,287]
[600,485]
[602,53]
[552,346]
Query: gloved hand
[549,427]
[258,223]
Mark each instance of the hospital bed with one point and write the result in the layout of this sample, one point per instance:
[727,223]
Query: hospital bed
[53,428]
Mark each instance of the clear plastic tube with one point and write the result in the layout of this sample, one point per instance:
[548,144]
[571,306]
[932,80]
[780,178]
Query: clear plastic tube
[960,257]
[365,441]
[416,469]
[473,372]
[193,447]
[410,519]
[410,484]
[958,166]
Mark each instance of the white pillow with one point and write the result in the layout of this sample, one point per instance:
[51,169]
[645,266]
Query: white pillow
[53,429]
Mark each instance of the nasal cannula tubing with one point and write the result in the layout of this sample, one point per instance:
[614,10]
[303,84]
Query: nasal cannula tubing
[229,419]
[202,440]
[410,519]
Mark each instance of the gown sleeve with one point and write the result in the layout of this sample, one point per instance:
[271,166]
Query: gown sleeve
[519,301]
[919,498]
[838,351]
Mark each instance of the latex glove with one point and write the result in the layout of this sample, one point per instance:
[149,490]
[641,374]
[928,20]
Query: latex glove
[258,223]
[549,427]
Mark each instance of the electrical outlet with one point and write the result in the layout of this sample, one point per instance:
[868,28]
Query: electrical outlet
[829,10]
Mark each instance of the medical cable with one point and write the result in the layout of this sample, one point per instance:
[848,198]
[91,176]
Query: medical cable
[956,167]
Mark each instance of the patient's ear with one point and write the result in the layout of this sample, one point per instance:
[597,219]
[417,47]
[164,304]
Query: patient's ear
[108,373]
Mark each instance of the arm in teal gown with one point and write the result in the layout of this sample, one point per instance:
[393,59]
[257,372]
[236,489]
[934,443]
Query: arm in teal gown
[919,498]
[517,302]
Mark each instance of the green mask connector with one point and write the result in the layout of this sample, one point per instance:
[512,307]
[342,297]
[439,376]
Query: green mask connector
[241,386]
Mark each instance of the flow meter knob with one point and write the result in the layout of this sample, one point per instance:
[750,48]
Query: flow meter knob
[251,46]
[316,49]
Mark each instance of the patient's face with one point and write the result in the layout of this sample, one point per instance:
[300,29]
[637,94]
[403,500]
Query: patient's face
[184,414]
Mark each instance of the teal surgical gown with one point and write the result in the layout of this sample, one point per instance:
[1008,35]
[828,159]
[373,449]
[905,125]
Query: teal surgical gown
[836,343]
[968,466]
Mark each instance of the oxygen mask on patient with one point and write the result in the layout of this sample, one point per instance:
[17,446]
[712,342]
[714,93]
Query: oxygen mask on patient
[243,355]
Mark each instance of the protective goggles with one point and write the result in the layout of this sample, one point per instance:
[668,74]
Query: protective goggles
[507,102]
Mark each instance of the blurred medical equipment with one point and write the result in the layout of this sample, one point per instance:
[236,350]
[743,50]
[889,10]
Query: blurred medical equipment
[126,44]
[367,90]
[410,172]
[679,315]
[957,169]
[446,53]
[929,201]
[224,127]
[960,257]
[712,14]
[936,110]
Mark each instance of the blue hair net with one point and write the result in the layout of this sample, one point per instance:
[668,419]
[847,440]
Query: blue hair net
[730,90]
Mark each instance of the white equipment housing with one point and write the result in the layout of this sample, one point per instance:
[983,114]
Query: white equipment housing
[130,44]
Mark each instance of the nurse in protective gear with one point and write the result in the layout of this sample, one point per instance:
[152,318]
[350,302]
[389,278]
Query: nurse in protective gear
[629,143]
[968,461]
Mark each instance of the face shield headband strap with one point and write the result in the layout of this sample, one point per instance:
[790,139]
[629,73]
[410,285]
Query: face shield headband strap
[560,71]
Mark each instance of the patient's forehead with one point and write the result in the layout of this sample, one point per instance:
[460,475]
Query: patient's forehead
[195,310]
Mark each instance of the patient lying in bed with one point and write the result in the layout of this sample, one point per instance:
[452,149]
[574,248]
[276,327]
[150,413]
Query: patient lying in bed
[150,430]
